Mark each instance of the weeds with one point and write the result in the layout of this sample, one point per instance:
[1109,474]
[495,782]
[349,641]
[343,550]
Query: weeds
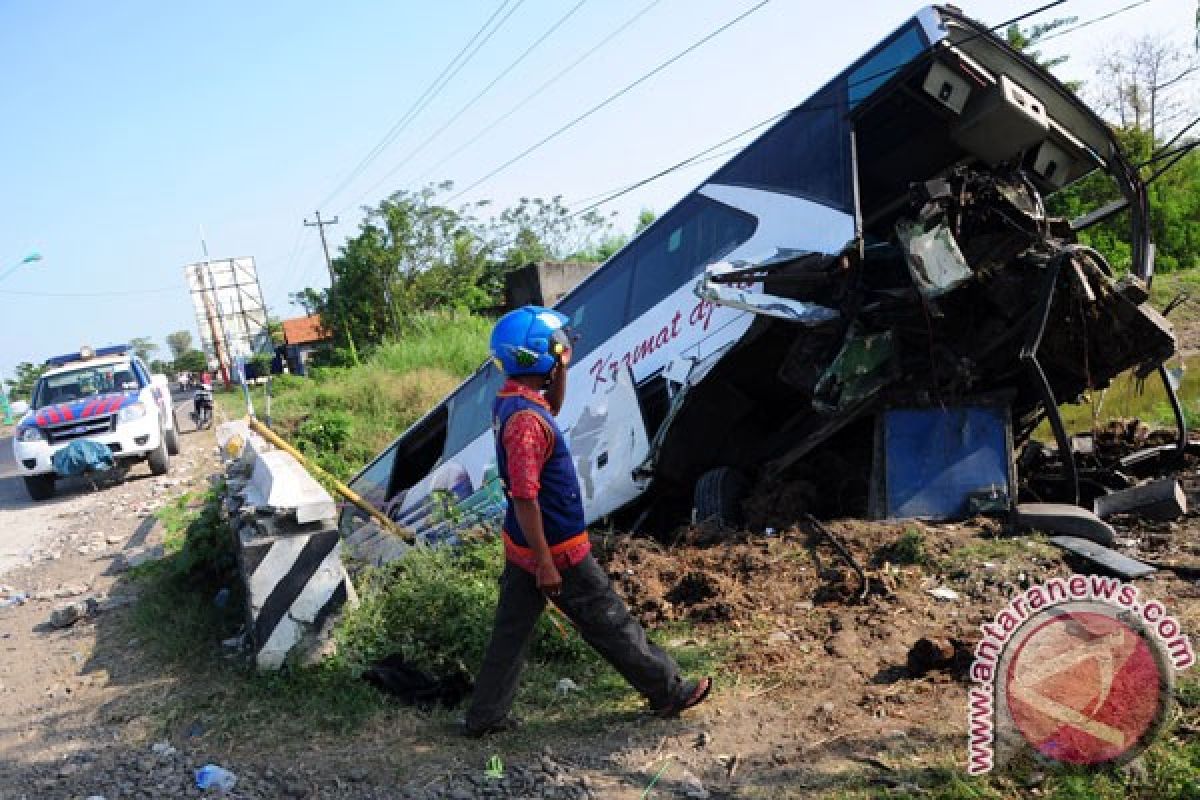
[909,548]
[435,607]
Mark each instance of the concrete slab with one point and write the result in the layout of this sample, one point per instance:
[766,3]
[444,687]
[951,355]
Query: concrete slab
[1162,499]
[279,482]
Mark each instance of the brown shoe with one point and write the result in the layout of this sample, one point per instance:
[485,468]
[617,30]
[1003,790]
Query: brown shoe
[693,695]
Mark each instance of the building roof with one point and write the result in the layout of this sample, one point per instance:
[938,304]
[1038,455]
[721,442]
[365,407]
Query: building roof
[304,330]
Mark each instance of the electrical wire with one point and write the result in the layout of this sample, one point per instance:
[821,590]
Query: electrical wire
[1091,21]
[467,106]
[822,107]
[620,92]
[693,160]
[697,158]
[616,189]
[110,293]
[536,92]
[447,74]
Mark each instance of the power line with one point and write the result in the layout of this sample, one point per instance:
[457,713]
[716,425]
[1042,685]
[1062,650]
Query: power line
[547,84]
[1091,21]
[412,154]
[628,87]
[447,74]
[109,293]
[697,157]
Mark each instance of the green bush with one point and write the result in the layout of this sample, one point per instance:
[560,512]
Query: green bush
[325,431]
[281,384]
[202,544]
[909,548]
[436,606]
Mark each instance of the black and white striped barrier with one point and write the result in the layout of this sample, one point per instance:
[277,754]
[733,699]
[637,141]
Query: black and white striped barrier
[289,550]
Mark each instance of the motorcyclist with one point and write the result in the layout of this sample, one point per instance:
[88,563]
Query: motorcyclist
[202,400]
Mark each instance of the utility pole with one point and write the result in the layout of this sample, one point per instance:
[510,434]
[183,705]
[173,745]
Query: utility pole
[320,226]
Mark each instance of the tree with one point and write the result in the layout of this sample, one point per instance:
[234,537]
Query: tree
[179,343]
[275,330]
[163,367]
[412,253]
[1026,39]
[21,387]
[143,346]
[191,361]
[1147,83]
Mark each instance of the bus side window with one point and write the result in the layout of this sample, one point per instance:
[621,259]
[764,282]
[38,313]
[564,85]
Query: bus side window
[807,154]
[677,247]
[598,307]
[471,409]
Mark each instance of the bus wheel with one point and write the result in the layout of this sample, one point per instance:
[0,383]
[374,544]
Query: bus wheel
[718,497]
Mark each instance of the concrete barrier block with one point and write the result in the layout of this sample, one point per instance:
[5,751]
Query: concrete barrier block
[294,583]
[280,483]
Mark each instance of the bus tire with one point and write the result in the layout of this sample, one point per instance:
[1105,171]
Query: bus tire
[718,497]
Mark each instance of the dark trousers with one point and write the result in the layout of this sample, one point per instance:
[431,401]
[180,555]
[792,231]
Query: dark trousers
[600,616]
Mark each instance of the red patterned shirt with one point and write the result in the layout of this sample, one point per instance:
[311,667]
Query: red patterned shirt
[528,444]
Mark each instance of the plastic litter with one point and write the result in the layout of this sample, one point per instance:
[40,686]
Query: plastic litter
[944,593]
[210,776]
[494,768]
[222,598]
[566,686]
[14,599]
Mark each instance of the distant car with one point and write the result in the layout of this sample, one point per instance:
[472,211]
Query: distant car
[106,395]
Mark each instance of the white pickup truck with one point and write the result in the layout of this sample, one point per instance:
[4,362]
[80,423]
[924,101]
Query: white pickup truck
[106,395]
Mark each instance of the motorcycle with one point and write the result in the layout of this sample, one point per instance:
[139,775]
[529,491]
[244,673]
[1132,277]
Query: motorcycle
[202,407]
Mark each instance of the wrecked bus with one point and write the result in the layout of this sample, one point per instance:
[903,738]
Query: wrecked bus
[884,245]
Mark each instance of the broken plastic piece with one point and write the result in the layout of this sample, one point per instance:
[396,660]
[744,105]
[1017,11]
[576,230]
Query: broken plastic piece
[1066,519]
[760,303]
[1109,560]
[934,259]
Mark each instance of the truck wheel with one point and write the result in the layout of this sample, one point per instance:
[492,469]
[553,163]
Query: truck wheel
[172,439]
[160,459]
[718,497]
[39,487]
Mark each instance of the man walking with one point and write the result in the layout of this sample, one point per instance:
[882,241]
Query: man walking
[546,548]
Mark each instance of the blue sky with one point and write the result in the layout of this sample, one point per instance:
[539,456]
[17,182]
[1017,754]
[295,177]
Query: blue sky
[130,127]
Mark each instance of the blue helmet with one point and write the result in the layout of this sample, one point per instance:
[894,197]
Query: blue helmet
[529,341]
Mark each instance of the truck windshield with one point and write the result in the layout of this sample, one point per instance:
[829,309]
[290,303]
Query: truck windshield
[66,387]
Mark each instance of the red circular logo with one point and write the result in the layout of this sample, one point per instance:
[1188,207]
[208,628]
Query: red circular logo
[1084,687]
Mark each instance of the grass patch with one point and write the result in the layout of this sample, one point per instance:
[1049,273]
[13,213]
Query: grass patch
[1125,398]
[435,607]
[909,548]
[343,416]
[999,550]
[181,624]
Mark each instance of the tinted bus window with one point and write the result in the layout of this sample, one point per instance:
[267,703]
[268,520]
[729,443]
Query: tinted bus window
[597,307]
[882,65]
[806,154]
[372,484]
[677,247]
[471,409]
